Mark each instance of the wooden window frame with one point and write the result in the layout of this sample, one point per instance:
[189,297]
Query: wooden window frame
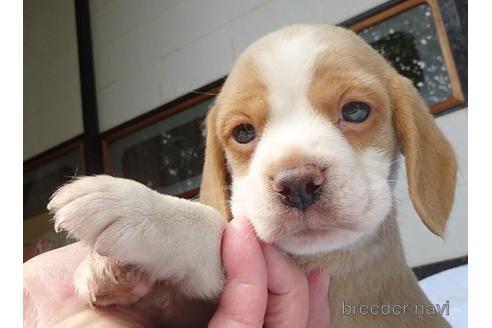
[35,226]
[371,18]
[157,115]
[74,144]
[51,154]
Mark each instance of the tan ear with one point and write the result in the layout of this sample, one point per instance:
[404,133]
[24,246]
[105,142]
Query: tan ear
[214,189]
[429,158]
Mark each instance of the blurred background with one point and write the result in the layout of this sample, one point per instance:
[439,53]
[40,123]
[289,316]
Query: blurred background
[122,86]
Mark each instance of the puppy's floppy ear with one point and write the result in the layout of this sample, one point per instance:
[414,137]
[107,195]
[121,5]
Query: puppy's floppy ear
[429,158]
[214,189]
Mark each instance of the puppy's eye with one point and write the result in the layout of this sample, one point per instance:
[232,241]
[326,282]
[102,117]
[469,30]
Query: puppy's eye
[244,133]
[355,111]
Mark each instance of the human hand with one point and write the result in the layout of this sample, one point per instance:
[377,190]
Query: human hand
[50,299]
[265,288]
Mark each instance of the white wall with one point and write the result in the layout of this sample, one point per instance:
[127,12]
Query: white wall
[52,105]
[150,52]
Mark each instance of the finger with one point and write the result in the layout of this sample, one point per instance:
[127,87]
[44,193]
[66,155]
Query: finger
[319,311]
[52,272]
[48,281]
[50,299]
[288,300]
[243,301]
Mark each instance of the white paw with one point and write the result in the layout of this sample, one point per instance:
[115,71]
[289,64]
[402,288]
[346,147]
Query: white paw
[102,281]
[103,211]
[169,238]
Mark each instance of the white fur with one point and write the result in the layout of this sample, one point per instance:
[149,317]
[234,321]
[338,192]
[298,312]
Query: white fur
[178,241]
[124,220]
[286,65]
[357,180]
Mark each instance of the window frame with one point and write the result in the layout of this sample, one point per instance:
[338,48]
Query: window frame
[155,116]
[390,9]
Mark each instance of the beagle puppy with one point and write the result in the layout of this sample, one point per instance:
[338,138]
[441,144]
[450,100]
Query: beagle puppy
[304,140]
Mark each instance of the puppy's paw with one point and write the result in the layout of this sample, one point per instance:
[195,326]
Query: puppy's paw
[101,281]
[101,209]
[167,237]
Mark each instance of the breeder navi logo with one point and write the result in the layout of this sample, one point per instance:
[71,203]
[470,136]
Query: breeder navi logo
[395,309]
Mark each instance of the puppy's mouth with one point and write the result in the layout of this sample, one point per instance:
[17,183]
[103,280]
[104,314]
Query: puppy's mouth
[324,228]
[312,233]
[312,224]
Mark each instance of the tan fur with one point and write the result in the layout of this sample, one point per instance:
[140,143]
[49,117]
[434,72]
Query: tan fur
[241,102]
[164,235]
[247,106]
[293,157]
[429,158]
[214,188]
[376,273]
[336,82]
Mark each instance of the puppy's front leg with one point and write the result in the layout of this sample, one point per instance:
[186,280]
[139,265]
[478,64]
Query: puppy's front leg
[166,237]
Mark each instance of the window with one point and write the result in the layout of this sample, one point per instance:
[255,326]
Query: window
[412,37]
[164,151]
[42,176]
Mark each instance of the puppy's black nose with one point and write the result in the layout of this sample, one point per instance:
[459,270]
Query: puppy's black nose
[299,187]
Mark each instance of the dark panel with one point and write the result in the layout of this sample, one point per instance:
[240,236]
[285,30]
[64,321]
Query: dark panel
[427,270]
[166,155]
[41,182]
[168,158]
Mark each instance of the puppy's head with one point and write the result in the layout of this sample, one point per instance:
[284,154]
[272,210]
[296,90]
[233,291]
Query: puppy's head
[305,133]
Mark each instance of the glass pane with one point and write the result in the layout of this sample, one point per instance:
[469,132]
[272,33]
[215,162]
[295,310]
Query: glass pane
[409,41]
[40,183]
[166,156]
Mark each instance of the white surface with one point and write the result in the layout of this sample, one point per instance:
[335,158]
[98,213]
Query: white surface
[52,105]
[155,51]
[450,285]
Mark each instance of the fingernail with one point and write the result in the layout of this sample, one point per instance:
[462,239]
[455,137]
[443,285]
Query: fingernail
[238,223]
[242,226]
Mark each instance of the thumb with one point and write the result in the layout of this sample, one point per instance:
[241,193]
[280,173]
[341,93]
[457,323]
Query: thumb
[244,299]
